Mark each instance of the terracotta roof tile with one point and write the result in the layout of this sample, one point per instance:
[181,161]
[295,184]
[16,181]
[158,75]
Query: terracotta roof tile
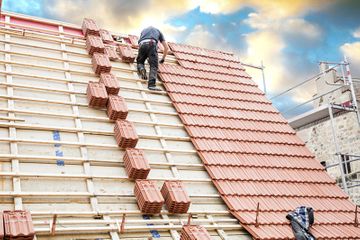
[208,85]
[268,175]
[244,113]
[243,135]
[223,103]
[194,232]
[106,36]
[285,203]
[214,69]
[256,160]
[178,70]
[252,187]
[243,124]
[277,218]
[203,52]
[89,26]
[250,147]
[207,60]
[252,155]
[242,94]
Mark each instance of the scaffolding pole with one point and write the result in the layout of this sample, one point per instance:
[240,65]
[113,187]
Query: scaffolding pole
[261,67]
[337,149]
[352,90]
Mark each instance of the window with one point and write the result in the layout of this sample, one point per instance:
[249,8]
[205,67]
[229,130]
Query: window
[345,163]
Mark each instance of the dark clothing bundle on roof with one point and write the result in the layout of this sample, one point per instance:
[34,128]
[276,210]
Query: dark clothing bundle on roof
[301,220]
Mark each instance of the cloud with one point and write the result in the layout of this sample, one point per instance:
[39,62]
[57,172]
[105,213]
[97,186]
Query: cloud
[120,16]
[352,52]
[356,33]
[274,8]
[201,37]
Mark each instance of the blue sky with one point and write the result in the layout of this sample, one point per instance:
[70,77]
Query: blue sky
[291,37]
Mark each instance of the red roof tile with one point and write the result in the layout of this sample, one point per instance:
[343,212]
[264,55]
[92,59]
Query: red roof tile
[178,70]
[246,114]
[208,85]
[223,103]
[267,175]
[256,160]
[18,225]
[277,218]
[243,124]
[243,135]
[106,36]
[252,155]
[194,232]
[207,60]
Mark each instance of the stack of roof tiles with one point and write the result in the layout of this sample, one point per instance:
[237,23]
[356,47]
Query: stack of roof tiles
[101,63]
[94,44]
[106,36]
[89,27]
[97,95]
[194,232]
[251,153]
[125,134]
[111,83]
[18,225]
[116,108]
[136,165]
[126,53]
[110,51]
[148,196]
[176,198]
[134,41]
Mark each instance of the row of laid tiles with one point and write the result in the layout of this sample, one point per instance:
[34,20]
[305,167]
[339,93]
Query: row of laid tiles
[222,103]
[245,93]
[321,232]
[212,68]
[261,125]
[202,52]
[178,70]
[250,147]
[261,188]
[206,84]
[276,204]
[243,135]
[245,114]
[207,60]
[255,160]
[279,218]
[273,181]
[262,174]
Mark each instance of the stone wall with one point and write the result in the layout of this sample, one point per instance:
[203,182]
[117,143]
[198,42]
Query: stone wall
[319,139]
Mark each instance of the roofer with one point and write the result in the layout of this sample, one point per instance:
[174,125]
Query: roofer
[148,42]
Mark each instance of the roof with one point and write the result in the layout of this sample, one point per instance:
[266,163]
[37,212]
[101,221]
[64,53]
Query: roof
[253,156]
[60,158]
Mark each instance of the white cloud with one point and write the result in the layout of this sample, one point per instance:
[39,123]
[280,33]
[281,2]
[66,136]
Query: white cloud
[356,33]
[352,52]
[200,37]
[297,26]
[266,46]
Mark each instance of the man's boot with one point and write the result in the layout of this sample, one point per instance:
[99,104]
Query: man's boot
[152,85]
[142,73]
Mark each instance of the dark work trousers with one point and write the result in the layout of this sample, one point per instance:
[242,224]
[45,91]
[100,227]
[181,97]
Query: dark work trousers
[148,51]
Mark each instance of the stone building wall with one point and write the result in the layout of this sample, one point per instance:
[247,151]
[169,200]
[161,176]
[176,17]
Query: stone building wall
[319,139]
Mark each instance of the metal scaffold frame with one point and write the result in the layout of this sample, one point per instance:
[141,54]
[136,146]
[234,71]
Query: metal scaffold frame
[332,108]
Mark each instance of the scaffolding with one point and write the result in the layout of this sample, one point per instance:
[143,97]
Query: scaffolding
[345,80]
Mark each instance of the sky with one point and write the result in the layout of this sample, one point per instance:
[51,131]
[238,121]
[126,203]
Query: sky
[290,37]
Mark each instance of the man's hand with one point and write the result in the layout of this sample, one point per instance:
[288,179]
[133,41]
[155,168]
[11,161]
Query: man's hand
[162,61]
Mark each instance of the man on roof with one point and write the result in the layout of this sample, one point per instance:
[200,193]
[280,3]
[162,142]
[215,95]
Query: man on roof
[149,39]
